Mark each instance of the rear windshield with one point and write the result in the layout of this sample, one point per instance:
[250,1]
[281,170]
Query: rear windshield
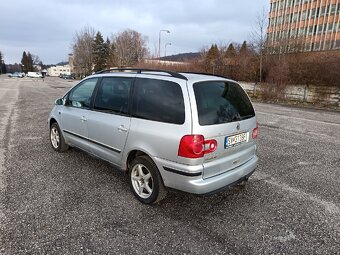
[221,102]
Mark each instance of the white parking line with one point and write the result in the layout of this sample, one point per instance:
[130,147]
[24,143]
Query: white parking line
[329,207]
[297,118]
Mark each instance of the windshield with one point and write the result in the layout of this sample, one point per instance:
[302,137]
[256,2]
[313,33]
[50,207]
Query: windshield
[221,102]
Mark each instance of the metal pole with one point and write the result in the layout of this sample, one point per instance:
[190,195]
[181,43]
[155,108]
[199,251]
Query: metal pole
[159,44]
[159,41]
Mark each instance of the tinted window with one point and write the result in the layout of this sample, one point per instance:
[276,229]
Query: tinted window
[221,102]
[159,101]
[81,95]
[113,95]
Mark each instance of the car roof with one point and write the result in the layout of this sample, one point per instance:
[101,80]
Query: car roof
[196,77]
[189,76]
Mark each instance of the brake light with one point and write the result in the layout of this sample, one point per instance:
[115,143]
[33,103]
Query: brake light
[255,131]
[194,146]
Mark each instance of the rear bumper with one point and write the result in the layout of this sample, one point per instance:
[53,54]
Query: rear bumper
[194,183]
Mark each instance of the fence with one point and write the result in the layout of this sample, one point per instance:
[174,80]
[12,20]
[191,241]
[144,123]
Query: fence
[302,93]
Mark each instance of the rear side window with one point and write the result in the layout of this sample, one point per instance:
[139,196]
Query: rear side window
[113,95]
[158,100]
[221,102]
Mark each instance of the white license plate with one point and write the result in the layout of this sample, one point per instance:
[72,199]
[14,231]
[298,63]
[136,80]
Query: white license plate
[236,139]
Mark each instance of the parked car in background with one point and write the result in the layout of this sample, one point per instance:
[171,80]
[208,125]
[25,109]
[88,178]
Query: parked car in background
[68,77]
[34,75]
[186,131]
[16,75]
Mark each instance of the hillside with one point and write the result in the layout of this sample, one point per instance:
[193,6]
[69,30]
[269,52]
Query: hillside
[182,57]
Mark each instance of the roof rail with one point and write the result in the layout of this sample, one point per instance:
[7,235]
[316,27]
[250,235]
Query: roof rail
[209,74]
[140,70]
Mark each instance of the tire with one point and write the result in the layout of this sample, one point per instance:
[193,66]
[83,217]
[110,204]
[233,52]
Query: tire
[145,181]
[57,139]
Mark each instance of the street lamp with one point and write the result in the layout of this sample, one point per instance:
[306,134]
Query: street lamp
[159,41]
[165,48]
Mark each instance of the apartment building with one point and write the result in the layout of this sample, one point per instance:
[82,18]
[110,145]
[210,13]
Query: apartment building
[58,70]
[303,25]
[62,69]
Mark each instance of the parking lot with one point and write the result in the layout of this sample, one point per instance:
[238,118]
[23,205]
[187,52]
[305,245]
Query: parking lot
[72,203]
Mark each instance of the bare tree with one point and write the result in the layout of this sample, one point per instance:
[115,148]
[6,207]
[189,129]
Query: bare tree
[37,62]
[130,47]
[259,36]
[83,51]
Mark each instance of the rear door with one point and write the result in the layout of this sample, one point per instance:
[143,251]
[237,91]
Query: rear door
[224,113]
[75,113]
[109,122]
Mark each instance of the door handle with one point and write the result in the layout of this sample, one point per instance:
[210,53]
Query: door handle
[83,119]
[122,128]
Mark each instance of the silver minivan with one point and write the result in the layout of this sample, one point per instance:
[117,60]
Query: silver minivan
[185,131]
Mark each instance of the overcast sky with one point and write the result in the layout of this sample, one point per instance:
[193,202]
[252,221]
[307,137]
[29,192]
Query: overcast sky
[47,28]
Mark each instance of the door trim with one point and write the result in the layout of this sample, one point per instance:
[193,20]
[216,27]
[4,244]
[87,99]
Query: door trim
[92,141]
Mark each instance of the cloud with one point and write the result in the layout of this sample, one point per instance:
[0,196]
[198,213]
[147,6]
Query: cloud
[47,28]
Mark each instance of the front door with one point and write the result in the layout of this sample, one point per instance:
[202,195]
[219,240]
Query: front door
[75,113]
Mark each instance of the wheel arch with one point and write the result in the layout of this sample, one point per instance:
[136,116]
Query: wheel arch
[137,153]
[132,155]
[52,120]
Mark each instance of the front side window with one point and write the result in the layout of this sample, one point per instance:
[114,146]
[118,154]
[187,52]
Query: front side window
[113,95]
[80,96]
[221,102]
[158,100]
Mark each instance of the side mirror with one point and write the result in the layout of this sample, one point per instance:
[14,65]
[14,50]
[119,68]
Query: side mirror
[59,101]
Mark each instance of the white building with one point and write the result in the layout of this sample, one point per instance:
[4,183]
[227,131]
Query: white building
[57,70]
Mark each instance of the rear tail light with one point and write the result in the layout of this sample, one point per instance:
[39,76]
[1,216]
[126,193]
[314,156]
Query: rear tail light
[194,146]
[210,146]
[255,131]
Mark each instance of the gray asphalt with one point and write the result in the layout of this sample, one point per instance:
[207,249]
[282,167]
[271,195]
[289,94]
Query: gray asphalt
[72,203]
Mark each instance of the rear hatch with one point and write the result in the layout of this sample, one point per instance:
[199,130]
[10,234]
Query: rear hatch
[224,114]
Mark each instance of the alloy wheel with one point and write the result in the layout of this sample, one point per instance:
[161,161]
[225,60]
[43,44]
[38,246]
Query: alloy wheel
[55,138]
[142,181]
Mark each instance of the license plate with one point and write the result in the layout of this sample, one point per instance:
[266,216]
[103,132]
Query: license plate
[236,139]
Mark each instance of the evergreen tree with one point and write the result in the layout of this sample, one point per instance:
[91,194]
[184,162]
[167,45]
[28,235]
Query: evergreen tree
[27,62]
[231,51]
[212,59]
[30,67]
[108,53]
[244,48]
[100,51]
[246,58]
[24,62]
[1,64]
[229,61]
[213,53]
